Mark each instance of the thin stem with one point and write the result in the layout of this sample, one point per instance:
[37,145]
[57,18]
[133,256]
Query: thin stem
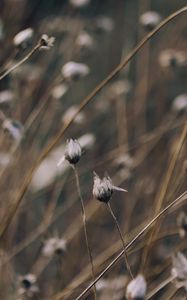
[9,216]
[161,286]
[19,63]
[85,227]
[121,237]
[178,200]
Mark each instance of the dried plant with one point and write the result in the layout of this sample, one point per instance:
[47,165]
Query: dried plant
[113,74]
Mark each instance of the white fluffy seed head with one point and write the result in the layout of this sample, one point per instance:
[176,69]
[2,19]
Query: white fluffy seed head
[136,289]
[103,188]
[84,41]
[6,97]
[54,246]
[23,37]
[73,70]
[72,153]
[14,128]
[150,19]
[180,103]
[172,58]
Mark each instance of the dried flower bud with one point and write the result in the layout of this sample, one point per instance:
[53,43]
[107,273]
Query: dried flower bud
[72,153]
[119,88]
[46,42]
[150,19]
[14,128]
[28,285]
[84,41]
[59,91]
[179,270]
[136,289]
[180,103]
[103,188]
[54,246]
[104,24]
[72,70]
[6,97]
[79,3]
[23,38]
[172,58]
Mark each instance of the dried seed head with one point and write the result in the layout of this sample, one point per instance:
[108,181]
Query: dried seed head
[104,24]
[54,246]
[14,128]
[46,42]
[150,19]
[84,40]
[6,97]
[23,38]
[59,91]
[180,103]
[179,270]
[103,188]
[72,153]
[72,70]
[28,285]
[119,88]
[136,289]
[172,58]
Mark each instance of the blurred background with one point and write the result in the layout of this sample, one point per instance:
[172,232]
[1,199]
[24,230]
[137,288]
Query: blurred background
[133,130]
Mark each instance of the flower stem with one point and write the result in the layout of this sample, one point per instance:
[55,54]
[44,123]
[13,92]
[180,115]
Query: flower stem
[85,227]
[19,63]
[121,237]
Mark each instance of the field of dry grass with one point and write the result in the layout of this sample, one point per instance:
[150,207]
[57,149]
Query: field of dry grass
[93,101]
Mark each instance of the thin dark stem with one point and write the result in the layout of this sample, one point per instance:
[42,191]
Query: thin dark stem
[19,63]
[85,227]
[178,200]
[122,239]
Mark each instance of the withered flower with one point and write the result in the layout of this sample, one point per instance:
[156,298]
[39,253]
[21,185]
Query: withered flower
[72,153]
[46,42]
[104,188]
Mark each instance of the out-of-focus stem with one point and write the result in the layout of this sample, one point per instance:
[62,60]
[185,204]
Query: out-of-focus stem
[122,239]
[85,227]
[19,63]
